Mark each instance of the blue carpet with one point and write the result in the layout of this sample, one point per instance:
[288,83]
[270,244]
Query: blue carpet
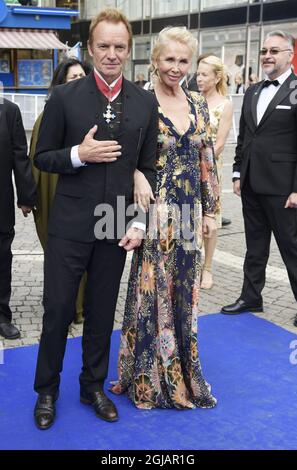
[246,360]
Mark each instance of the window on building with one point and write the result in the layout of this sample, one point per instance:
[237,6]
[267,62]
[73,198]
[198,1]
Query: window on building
[217,4]
[91,8]
[131,8]
[72,4]
[146,8]
[194,5]
[230,46]
[172,7]
[141,48]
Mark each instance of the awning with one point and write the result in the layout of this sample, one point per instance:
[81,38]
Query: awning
[29,39]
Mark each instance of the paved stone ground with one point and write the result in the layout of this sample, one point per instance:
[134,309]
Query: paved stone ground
[279,304]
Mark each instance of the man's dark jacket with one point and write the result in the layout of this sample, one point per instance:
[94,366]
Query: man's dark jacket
[72,110]
[268,151]
[13,160]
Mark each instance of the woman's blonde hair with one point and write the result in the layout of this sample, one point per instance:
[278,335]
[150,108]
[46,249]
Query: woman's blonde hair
[220,73]
[172,33]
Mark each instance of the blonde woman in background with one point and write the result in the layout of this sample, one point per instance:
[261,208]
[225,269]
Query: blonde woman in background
[212,83]
[239,86]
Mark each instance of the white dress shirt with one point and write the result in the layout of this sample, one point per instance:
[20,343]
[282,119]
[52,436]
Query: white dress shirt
[266,95]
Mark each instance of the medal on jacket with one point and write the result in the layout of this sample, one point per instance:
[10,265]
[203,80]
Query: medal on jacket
[108,115]
[110,92]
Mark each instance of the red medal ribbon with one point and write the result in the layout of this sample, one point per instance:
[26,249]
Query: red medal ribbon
[108,92]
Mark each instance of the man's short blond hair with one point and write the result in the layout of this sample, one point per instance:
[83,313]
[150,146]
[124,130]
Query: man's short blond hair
[111,15]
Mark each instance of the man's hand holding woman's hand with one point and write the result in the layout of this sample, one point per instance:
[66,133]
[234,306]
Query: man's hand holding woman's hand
[132,239]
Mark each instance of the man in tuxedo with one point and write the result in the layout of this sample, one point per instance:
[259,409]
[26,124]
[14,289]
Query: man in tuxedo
[265,170]
[95,132]
[14,159]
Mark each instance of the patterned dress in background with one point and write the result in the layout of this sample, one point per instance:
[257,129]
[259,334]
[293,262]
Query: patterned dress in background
[215,115]
[158,360]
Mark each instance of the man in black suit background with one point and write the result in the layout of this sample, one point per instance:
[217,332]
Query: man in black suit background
[95,133]
[14,159]
[265,170]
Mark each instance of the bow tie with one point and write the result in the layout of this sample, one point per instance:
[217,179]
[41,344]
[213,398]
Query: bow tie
[270,82]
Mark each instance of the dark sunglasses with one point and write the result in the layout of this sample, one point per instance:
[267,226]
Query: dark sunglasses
[273,51]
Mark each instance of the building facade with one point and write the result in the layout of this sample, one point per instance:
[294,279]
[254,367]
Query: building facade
[231,29]
[29,43]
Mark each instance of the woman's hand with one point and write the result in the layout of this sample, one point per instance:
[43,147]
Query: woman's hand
[236,187]
[209,226]
[143,193]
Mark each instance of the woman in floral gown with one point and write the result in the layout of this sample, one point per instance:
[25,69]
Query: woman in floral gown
[158,360]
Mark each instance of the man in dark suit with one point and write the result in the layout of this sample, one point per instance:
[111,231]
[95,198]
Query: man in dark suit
[13,148]
[265,170]
[95,132]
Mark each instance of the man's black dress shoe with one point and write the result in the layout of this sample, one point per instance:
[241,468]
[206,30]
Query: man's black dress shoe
[102,405]
[225,222]
[45,411]
[9,331]
[241,306]
[295,321]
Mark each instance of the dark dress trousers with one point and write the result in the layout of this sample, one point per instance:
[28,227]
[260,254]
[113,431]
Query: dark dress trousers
[13,160]
[266,157]
[72,247]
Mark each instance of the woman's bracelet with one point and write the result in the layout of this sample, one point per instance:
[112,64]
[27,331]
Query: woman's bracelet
[212,216]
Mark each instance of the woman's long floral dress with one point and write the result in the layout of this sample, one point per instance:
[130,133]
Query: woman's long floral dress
[158,362]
